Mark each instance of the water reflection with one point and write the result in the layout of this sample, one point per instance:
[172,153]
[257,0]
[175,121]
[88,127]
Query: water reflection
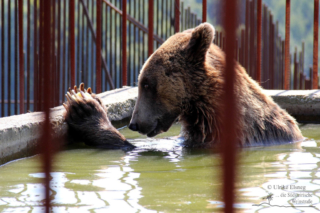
[163,177]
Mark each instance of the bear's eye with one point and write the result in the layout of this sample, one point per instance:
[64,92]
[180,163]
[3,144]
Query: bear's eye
[146,86]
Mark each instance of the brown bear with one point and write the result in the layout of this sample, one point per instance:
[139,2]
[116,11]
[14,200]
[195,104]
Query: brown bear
[183,79]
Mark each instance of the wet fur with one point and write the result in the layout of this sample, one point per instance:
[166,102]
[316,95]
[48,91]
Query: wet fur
[88,122]
[185,80]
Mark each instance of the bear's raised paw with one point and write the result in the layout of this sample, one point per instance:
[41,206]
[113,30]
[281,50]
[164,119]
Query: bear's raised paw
[87,120]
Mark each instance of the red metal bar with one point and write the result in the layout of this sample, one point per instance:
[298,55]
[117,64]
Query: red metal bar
[82,29]
[16,86]
[40,56]
[135,53]
[64,50]
[259,46]
[229,128]
[98,48]
[302,62]
[9,57]
[59,53]
[295,70]
[53,57]
[150,28]
[35,59]
[2,59]
[28,55]
[311,79]
[72,41]
[287,48]
[93,34]
[124,42]
[252,40]
[176,16]
[21,59]
[315,44]
[46,70]
[204,10]
[282,63]
[246,44]
[301,79]
[271,66]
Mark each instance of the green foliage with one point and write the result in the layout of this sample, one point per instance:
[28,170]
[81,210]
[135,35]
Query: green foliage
[301,24]
[301,21]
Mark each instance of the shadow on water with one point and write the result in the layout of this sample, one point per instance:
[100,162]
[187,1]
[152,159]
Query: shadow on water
[161,176]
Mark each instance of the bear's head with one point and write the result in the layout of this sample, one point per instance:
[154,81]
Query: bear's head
[169,78]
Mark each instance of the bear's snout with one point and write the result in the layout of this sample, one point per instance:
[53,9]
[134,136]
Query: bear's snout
[134,126]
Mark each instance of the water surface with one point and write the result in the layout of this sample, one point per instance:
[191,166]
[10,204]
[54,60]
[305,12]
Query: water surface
[163,177]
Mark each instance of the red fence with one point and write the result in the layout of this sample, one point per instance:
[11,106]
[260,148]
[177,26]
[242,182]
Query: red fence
[77,26]
[52,49]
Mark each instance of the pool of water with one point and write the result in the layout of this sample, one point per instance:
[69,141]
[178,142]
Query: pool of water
[161,176]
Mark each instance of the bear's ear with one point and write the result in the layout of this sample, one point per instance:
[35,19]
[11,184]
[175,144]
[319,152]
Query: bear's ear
[201,39]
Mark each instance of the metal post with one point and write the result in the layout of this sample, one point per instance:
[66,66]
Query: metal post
[229,127]
[72,40]
[287,48]
[124,42]
[204,10]
[150,28]
[315,44]
[21,58]
[295,70]
[98,48]
[46,70]
[259,34]
[176,16]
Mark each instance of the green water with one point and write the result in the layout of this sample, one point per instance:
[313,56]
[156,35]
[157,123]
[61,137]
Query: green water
[163,177]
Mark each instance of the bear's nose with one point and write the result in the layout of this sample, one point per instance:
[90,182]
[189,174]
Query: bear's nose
[134,126]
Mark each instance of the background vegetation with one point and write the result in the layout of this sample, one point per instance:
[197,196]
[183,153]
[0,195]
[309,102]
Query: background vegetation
[301,20]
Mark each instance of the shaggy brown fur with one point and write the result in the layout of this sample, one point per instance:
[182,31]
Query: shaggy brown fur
[184,79]
[88,122]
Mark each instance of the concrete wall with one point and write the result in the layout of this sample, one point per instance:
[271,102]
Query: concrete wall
[19,134]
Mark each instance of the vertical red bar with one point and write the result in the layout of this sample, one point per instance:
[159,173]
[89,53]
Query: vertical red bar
[229,127]
[259,47]
[98,48]
[287,48]
[150,28]
[272,59]
[9,58]
[311,79]
[295,70]
[21,60]
[47,74]
[282,63]
[176,16]
[72,41]
[16,68]
[204,10]
[28,55]
[246,44]
[315,44]
[124,42]
[55,86]
[2,59]
[35,62]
